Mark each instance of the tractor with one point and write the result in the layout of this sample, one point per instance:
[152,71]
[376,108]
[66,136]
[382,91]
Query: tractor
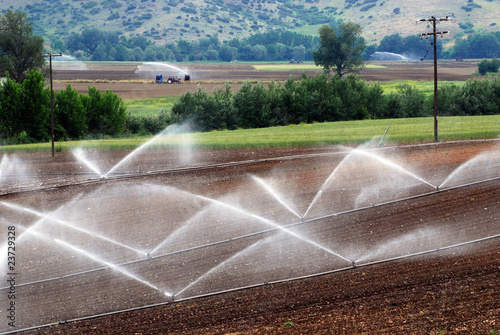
[170,79]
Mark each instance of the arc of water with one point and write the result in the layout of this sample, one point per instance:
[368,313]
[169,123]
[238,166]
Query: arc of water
[218,266]
[326,182]
[44,218]
[393,165]
[401,57]
[402,240]
[174,233]
[264,220]
[363,152]
[110,265]
[132,154]
[464,166]
[79,154]
[172,128]
[271,191]
[156,64]
[50,217]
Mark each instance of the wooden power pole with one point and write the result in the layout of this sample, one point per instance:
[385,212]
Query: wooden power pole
[434,33]
[51,98]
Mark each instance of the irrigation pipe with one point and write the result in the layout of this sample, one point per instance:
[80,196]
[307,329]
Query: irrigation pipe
[126,175]
[262,232]
[89,317]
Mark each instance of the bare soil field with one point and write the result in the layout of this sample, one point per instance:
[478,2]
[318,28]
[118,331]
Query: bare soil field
[357,261]
[255,241]
[125,80]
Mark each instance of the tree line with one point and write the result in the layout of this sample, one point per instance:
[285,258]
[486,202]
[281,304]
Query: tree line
[480,45]
[324,98]
[25,107]
[96,45]
[25,112]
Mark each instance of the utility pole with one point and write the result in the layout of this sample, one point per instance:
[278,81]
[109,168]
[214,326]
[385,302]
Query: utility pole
[51,98]
[434,33]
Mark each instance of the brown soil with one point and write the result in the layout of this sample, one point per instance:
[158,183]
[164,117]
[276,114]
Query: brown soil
[452,291]
[123,80]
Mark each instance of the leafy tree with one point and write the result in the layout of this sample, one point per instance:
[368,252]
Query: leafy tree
[207,111]
[486,66]
[412,101]
[35,106]
[122,53]
[19,49]
[105,113]
[299,52]
[258,52]
[249,102]
[478,97]
[69,114]
[10,108]
[482,45]
[341,49]
[392,43]
[59,46]
[228,53]
[100,53]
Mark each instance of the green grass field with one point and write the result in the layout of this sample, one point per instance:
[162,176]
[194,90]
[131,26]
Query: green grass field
[150,106]
[300,66]
[317,134]
[426,86]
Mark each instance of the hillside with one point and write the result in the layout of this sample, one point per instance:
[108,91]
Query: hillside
[170,20]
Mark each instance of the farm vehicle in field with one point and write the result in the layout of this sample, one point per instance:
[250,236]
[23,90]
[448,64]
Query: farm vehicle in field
[171,79]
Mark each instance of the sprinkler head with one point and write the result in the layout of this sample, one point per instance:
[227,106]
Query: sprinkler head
[169,295]
[353,263]
[147,255]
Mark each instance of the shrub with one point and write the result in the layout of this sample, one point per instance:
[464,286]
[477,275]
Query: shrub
[35,115]
[206,111]
[478,97]
[69,114]
[486,66]
[105,113]
[10,108]
[412,101]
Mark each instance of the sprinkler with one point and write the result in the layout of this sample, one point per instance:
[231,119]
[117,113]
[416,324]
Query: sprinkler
[169,295]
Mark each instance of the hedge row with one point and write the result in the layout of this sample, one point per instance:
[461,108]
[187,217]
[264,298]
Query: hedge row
[323,98]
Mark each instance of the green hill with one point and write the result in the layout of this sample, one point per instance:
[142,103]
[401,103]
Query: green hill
[170,20]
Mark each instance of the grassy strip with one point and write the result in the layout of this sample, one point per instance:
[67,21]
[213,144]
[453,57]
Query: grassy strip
[300,66]
[317,134]
[426,86]
[150,106]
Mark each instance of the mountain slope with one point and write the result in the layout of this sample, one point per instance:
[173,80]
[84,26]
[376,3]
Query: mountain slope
[170,20]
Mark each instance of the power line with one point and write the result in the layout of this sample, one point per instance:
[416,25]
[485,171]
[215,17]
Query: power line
[433,20]
[51,99]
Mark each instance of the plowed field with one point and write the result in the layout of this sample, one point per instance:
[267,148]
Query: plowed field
[259,241]
[129,81]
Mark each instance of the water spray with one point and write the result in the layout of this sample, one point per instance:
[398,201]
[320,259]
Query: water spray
[264,220]
[274,193]
[106,263]
[169,295]
[51,217]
